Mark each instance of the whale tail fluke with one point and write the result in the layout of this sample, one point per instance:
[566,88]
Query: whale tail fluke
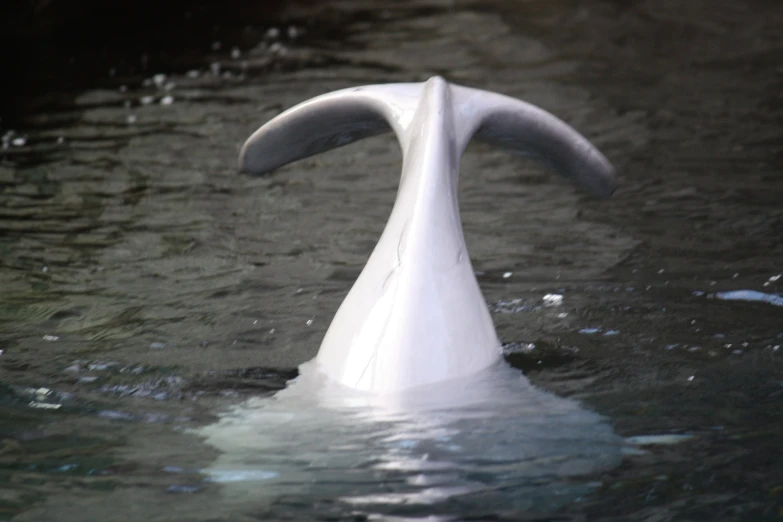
[342,117]
[416,314]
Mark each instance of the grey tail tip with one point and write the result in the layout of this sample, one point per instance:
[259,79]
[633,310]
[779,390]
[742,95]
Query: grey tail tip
[610,187]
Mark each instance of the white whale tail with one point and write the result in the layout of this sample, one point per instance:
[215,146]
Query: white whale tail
[416,315]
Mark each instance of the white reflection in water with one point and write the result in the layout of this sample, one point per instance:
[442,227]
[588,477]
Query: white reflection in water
[492,439]
[750,295]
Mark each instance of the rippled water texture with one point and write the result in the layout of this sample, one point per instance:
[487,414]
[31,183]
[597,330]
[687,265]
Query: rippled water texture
[152,299]
[491,441]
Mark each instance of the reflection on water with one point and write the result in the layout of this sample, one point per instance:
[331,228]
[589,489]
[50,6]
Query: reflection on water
[489,440]
[750,295]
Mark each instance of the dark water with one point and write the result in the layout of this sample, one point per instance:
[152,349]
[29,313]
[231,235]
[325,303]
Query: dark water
[147,287]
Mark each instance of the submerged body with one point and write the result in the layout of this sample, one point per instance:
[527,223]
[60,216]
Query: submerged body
[453,447]
[416,315]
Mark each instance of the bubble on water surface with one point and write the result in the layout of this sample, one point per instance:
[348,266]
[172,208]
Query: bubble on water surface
[277,48]
[553,300]
[658,440]
[44,405]
[101,366]
[590,331]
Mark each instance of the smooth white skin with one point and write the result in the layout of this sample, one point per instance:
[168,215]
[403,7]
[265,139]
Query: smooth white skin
[416,315]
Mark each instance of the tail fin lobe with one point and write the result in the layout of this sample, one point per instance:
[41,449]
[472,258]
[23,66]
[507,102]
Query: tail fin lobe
[318,125]
[527,130]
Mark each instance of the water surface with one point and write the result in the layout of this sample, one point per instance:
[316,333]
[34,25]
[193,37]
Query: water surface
[148,288]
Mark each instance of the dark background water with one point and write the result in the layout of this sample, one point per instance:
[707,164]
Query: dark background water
[129,240]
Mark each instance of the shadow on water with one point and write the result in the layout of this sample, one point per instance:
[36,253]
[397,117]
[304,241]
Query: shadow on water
[147,290]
